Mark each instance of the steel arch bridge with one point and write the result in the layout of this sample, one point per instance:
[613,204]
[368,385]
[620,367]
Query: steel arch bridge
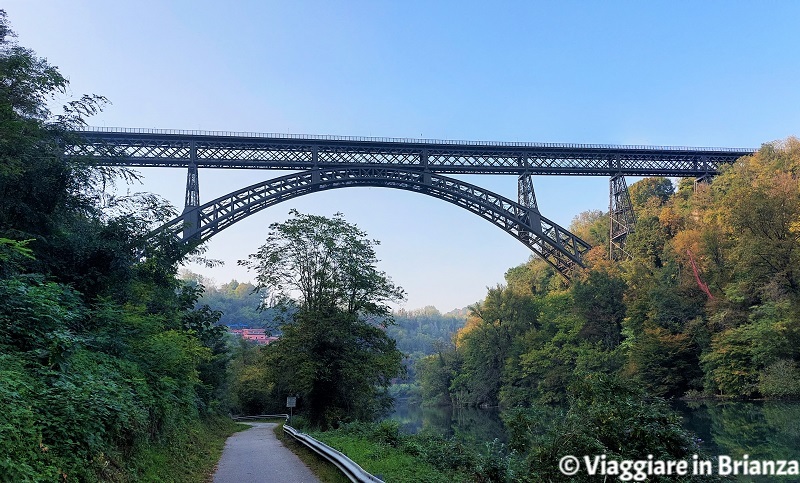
[329,162]
[557,246]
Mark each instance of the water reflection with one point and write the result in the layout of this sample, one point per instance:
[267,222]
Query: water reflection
[761,429]
[469,425]
[764,430]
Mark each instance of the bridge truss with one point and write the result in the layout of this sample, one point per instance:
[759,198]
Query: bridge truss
[327,162]
[547,239]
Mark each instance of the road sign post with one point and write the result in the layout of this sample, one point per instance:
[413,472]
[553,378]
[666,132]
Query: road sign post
[291,402]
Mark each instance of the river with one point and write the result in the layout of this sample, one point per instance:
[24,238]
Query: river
[764,430]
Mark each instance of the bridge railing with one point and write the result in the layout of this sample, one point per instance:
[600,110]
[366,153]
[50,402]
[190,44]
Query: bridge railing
[326,137]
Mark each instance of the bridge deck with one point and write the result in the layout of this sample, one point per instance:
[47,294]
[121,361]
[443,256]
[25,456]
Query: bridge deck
[165,148]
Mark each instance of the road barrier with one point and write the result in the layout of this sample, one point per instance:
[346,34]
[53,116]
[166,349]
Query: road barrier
[347,466]
[261,416]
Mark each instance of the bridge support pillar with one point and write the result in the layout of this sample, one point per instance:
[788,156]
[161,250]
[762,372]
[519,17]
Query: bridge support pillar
[191,225]
[526,197]
[525,194]
[315,177]
[426,173]
[191,205]
[623,219]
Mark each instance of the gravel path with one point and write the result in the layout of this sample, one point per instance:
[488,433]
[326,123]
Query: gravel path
[255,455]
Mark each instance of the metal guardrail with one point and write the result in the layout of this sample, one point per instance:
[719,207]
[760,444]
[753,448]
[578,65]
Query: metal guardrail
[261,416]
[347,466]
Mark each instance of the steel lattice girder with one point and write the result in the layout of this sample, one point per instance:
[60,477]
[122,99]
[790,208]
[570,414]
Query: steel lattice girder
[623,218]
[272,151]
[554,244]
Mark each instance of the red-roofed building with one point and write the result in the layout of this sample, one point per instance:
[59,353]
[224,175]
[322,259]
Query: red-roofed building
[259,336]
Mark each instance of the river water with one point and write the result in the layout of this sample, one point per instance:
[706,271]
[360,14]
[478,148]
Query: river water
[764,430]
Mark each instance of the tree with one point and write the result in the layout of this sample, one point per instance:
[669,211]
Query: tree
[652,191]
[334,352]
[101,358]
[598,300]
[328,263]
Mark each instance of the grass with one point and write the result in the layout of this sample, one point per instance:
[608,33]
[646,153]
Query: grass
[189,457]
[385,462]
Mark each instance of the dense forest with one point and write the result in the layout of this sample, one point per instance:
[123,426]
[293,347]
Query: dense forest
[104,359]
[706,303]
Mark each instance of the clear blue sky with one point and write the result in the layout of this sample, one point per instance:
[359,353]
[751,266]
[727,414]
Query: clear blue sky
[709,73]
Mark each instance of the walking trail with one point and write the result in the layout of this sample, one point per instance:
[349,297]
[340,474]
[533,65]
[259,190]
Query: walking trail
[255,455]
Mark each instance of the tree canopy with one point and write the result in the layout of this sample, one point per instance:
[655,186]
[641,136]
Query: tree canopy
[327,263]
[101,357]
[334,351]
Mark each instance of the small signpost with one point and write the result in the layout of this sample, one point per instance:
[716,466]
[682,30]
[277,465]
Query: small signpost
[291,402]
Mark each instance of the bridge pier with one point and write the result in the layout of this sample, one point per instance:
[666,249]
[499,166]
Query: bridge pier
[526,197]
[191,207]
[623,219]
[525,194]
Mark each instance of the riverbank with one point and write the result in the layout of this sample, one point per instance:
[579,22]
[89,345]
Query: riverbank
[384,451]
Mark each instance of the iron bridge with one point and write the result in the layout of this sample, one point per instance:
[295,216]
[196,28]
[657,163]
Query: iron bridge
[418,165]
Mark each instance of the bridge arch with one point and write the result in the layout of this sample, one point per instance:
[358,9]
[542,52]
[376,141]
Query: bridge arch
[560,248]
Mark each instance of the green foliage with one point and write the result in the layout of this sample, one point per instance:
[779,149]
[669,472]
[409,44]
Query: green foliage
[339,365]
[605,416]
[334,352]
[237,302]
[708,305]
[487,341]
[381,449]
[598,300]
[328,261]
[667,364]
[592,226]
[781,379]
[765,348]
[435,374]
[100,357]
[199,445]
[250,387]
[422,332]
[650,193]
[23,455]
[92,397]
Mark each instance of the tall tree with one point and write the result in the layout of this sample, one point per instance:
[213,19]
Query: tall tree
[327,263]
[334,351]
